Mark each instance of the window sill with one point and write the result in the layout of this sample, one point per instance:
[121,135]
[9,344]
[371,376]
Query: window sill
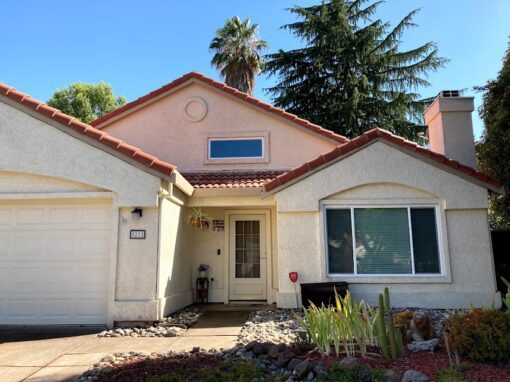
[411,279]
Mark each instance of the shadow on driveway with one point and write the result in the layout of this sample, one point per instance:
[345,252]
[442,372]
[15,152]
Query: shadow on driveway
[15,333]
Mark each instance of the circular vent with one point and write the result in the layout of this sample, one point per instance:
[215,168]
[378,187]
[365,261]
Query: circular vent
[195,109]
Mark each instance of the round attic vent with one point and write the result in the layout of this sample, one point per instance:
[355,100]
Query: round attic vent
[195,109]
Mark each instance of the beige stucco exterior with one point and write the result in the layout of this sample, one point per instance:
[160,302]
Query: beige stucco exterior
[162,128]
[150,278]
[364,179]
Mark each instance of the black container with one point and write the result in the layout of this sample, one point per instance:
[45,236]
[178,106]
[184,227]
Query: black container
[322,293]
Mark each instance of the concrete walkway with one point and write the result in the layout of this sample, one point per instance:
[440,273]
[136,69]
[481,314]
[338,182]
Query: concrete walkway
[64,359]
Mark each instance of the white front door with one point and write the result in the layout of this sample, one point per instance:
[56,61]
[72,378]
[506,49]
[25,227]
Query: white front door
[247,257]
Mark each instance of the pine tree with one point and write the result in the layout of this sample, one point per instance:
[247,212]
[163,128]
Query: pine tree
[351,75]
[493,150]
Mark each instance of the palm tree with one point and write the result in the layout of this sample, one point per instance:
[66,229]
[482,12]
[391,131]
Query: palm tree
[236,53]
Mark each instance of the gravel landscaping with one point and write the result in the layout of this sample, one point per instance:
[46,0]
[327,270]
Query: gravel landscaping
[172,326]
[271,343]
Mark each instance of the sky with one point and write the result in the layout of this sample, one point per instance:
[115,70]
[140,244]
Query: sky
[137,46]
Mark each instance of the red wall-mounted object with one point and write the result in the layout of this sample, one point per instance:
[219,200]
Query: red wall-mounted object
[293,276]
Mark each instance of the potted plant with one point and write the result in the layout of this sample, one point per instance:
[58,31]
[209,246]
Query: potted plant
[198,219]
[202,270]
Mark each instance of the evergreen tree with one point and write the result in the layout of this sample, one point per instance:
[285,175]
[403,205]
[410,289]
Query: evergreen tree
[236,53]
[493,150]
[351,74]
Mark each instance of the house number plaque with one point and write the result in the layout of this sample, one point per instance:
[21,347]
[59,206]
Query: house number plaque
[138,234]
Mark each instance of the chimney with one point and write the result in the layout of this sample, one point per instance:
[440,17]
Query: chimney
[450,127]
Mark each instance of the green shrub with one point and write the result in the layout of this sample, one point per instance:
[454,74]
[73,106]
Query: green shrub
[506,297]
[339,374]
[481,335]
[230,372]
[348,326]
[450,375]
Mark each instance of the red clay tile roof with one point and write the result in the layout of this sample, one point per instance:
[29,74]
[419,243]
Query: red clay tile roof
[231,179]
[87,130]
[221,86]
[365,139]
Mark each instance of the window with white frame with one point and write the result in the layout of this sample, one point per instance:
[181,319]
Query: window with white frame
[382,241]
[236,148]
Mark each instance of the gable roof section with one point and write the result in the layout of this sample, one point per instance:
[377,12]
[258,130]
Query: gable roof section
[338,153]
[101,121]
[231,178]
[75,125]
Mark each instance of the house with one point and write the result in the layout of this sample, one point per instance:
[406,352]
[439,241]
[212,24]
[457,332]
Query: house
[93,217]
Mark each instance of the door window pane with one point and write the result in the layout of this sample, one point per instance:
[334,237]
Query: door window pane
[247,249]
[382,241]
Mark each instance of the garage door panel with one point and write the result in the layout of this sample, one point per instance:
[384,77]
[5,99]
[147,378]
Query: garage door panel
[5,216]
[30,215]
[54,263]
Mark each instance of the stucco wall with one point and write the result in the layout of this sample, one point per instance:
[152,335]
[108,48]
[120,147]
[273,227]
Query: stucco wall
[162,129]
[40,161]
[364,179]
[175,260]
[137,267]
[32,146]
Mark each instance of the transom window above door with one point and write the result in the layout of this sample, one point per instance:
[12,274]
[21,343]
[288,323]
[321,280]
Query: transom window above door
[382,241]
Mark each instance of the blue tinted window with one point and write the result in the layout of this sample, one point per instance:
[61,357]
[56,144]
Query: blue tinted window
[236,148]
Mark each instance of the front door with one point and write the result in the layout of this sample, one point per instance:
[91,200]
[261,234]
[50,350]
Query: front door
[247,257]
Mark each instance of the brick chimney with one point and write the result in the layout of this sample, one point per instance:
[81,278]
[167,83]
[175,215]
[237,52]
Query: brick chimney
[450,127]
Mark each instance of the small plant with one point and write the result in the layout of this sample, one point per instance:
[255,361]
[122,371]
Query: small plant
[202,269]
[348,326]
[198,219]
[481,335]
[506,299]
[386,329]
[455,374]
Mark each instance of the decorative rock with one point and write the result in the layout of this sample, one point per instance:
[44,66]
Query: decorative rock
[430,345]
[284,358]
[293,363]
[364,374]
[310,376]
[320,369]
[301,369]
[391,376]
[276,349]
[258,348]
[350,363]
[414,376]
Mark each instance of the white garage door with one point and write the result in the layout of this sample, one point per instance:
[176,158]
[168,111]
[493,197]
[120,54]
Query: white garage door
[54,260]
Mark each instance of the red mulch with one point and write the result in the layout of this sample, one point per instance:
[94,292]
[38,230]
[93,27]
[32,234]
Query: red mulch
[429,364]
[140,370]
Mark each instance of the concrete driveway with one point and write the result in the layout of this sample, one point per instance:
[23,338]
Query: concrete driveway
[62,354]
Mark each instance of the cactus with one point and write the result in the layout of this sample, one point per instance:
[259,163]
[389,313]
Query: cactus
[400,342]
[381,325]
[391,324]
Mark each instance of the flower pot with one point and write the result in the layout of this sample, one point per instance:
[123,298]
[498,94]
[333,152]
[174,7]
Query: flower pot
[202,274]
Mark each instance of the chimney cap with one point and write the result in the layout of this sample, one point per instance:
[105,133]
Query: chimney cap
[449,93]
